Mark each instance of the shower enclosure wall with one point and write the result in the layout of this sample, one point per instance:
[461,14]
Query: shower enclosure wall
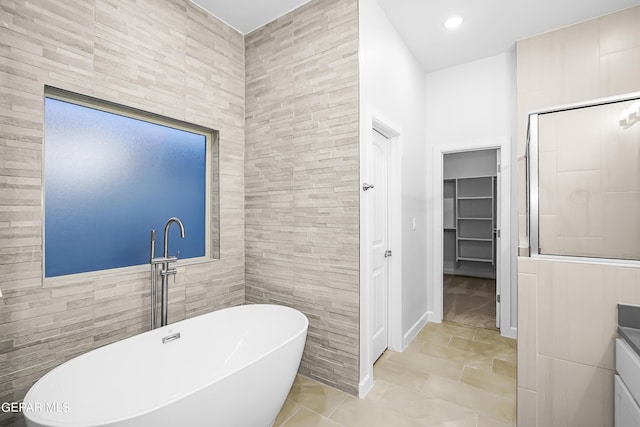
[584,180]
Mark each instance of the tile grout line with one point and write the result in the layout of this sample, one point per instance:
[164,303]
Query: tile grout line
[283,424]
[478,414]
[336,408]
[461,374]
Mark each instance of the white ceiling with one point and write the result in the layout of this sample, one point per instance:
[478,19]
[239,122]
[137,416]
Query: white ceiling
[247,15]
[491,27]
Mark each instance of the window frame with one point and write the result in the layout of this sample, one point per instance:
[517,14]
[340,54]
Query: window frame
[211,163]
[532,184]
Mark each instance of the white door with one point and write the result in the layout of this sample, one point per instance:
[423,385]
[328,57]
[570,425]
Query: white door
[496,240]
[380,254]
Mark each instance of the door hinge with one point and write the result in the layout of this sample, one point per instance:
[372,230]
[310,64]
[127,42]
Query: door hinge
[498,298]
[387,253]
[498,233]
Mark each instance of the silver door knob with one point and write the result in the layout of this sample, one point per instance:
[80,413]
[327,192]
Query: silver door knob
[366,186]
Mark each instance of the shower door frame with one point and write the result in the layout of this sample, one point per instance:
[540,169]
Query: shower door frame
[532,197]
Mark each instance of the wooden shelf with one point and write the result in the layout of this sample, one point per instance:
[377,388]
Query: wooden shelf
[475,259]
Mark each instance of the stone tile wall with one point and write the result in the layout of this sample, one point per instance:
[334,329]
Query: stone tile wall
[301,174]
[173,60]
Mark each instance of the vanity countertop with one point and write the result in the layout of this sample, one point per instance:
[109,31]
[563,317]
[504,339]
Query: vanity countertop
[629,325]
[631,336]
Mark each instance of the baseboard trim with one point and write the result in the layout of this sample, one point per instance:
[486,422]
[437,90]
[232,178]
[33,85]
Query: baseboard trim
[510,332]
[365,386]
[431,317]
[413,331]
[477,274]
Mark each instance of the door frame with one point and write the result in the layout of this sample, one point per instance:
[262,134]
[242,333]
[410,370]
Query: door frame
[503,273]
[380,142]
[373,120]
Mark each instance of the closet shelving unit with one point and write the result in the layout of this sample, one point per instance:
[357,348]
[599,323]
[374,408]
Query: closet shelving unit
[449,224]
[474,213]
[449,205]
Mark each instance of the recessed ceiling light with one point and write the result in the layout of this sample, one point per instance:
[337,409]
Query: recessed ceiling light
[453,22]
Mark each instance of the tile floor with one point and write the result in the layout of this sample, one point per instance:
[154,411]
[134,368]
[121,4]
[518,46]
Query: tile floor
[470,301]
[450,375]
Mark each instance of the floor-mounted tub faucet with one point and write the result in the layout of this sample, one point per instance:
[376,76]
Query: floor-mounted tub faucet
[165,272]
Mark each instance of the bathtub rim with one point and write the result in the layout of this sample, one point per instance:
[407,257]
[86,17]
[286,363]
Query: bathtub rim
[50,423]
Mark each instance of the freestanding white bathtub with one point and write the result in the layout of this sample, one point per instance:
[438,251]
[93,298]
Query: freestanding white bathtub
[232,367]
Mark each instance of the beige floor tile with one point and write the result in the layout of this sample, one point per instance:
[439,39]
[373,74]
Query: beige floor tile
[290,407]
[494,337]
[510,342]
[499,349]
[355,412]
[464,422]
[306,418]
[484,421]
[450,329]
[482,363]
[316,396]
[400,374]
[431,336]
[471,397]
[502,367]
[479,347]
[507,355]
[380,390]
[380,387]
[428,364]
[424,409]
[459,355]
[493,383]
[449,376]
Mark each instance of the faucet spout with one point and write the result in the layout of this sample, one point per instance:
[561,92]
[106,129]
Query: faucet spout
[166,271]
[167,226]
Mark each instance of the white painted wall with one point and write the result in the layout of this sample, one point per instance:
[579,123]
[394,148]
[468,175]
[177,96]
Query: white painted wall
[469,164]
[392,90]
[470,102]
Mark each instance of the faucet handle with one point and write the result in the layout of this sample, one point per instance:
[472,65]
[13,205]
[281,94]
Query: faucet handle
[177,255]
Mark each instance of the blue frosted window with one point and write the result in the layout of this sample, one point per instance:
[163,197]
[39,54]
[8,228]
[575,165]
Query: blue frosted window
[109,179]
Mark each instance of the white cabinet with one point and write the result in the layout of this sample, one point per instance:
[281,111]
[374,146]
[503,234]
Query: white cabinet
[627,386]
[626,410]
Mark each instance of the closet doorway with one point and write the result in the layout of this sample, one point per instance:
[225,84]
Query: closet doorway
[505,217]
[470,217]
